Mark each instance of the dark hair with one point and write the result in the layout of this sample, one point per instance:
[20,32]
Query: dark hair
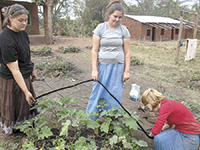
[112,6]
[14,10]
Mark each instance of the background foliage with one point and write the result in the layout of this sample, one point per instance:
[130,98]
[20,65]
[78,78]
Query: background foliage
[80,17]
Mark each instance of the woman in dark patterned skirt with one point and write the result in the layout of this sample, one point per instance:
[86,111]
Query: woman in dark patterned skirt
[17,70]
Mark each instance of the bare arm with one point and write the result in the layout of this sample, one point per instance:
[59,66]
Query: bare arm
[95,48]
[165,127]
[13,66]
[126,74]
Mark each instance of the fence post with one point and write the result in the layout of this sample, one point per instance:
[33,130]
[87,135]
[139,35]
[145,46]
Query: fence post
[195,26]
[179,36]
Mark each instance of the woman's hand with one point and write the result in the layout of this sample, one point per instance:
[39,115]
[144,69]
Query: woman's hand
[95,75]
[29,98]
[33,75]
[126,76]
[151,135]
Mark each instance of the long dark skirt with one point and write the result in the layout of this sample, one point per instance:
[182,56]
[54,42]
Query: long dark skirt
[14,108]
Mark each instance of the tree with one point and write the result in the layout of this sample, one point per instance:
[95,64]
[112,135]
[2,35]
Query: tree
[94,13]
[166,8]
[56,11]
[60,14]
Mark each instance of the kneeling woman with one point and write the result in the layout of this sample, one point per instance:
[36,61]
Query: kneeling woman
[184,129]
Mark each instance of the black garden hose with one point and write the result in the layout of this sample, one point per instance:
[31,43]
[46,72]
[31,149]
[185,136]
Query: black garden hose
[64,88]
[141,128]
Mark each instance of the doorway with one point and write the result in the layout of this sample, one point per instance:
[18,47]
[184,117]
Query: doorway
[172,34]
[153,34]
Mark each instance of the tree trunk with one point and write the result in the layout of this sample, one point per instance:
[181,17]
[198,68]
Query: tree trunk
[48,22]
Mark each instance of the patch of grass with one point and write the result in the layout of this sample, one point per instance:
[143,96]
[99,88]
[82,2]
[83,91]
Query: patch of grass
[68,49]
[57,68]
[159,62]
[45,51]
[135,61]
[89,47]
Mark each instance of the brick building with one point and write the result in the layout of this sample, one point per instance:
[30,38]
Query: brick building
[33,21]
[153,28]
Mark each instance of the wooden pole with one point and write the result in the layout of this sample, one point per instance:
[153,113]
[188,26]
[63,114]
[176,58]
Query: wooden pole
[195,26]
[179,36]
[196,23]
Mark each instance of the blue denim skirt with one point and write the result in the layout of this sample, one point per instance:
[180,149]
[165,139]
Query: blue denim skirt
[110,75]
[174,140]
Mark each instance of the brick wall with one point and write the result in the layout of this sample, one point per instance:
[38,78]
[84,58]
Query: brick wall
[134,27]
[34,28]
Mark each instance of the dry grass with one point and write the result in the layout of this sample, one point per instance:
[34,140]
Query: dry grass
[159,64]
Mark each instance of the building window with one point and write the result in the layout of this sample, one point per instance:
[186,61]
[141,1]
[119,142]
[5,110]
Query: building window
[29,19]
[162,32]
[177,30]
[148,32]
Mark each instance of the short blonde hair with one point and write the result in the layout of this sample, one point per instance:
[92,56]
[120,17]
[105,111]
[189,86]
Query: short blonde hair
[152,96]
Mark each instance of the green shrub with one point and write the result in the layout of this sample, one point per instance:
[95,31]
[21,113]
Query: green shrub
[45,51]
[135,61]
[68,49]
[61,67]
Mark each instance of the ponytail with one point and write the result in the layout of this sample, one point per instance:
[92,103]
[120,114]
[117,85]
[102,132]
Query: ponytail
[112,6]
[6,17]
[113,2]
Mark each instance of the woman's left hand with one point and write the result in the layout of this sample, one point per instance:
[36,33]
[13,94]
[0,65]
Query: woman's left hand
[151,135]
[126,76]
[33,75]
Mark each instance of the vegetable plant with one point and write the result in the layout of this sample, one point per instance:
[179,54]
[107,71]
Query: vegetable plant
[61,124]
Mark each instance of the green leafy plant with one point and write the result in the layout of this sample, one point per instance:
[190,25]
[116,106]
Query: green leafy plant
[69,48]
[118,127]
[135,61]
[45,51]
[61,67]
[61,126]
[89,47]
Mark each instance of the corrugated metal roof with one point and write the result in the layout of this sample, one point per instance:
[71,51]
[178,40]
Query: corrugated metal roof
[153,19]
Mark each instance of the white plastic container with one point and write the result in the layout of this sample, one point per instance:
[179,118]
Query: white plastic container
[135,92]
